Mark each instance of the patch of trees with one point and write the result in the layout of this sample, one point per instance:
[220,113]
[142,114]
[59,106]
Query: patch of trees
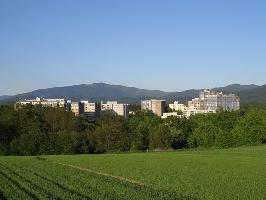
[36,130]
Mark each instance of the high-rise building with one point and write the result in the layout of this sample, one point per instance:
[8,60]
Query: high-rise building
[207,102]
[156,106]
[210,101]
[213,101]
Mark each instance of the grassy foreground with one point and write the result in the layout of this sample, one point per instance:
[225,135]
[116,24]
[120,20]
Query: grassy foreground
[198,174]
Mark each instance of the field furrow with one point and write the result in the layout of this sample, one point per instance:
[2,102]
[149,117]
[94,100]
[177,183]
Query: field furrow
[219,174]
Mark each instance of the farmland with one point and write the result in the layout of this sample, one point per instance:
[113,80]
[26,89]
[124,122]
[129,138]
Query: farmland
[188,174]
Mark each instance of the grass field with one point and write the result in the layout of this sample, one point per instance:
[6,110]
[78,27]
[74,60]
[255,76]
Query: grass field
[199,174]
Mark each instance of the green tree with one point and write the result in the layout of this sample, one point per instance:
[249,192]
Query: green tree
[85,140]
[27,144]
[111,134]
[162,138]
[251,129]
[180,129]
[141,127]
[66,142]
[205,135]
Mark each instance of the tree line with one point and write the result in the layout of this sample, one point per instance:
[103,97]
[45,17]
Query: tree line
[36,130]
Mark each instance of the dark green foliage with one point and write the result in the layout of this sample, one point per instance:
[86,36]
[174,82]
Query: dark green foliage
[27,144]
[66,142]
[162,138]
[180,129]
[33,130]
[206,135]
[111,134]
[8,126]
[214,130]
[36,130]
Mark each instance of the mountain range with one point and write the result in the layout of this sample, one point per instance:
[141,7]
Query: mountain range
[104,92]
[3,97]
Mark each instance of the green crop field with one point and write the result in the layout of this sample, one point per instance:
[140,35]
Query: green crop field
[197,174]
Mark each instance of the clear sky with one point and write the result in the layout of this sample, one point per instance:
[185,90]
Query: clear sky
[170,45]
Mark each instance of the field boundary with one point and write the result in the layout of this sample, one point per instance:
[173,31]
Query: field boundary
[119,178]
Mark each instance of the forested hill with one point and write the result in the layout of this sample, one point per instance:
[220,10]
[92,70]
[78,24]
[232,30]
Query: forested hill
[103,91]
[257,94]
[3,97]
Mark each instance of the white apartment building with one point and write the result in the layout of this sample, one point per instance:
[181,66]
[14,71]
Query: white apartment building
[210,102]
[171,114]
[213,101]
[115,108]
[207,102]
[61,103]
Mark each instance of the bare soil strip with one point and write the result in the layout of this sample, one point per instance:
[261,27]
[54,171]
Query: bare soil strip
[119,178]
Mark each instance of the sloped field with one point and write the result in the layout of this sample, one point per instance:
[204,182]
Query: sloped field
[199,174]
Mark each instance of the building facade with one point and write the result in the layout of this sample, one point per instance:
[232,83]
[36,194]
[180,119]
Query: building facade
[90,110]
[75,107]
[208,102]
[178,106]
[156,106]
[115,108]
[212,101]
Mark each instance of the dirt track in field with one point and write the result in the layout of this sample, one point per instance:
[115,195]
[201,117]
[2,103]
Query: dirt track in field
[119,178]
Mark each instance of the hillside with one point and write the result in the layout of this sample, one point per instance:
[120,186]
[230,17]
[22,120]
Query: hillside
[104,92]
[235,88]
[3,97]
[257,94]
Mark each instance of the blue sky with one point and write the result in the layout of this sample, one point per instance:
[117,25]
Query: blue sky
[170,45]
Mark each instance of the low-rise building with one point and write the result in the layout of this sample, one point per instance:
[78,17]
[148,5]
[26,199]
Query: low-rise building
[57,103]
[171,114]
[178,106]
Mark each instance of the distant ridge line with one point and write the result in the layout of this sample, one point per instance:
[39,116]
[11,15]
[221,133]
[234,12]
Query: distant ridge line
[133,95]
